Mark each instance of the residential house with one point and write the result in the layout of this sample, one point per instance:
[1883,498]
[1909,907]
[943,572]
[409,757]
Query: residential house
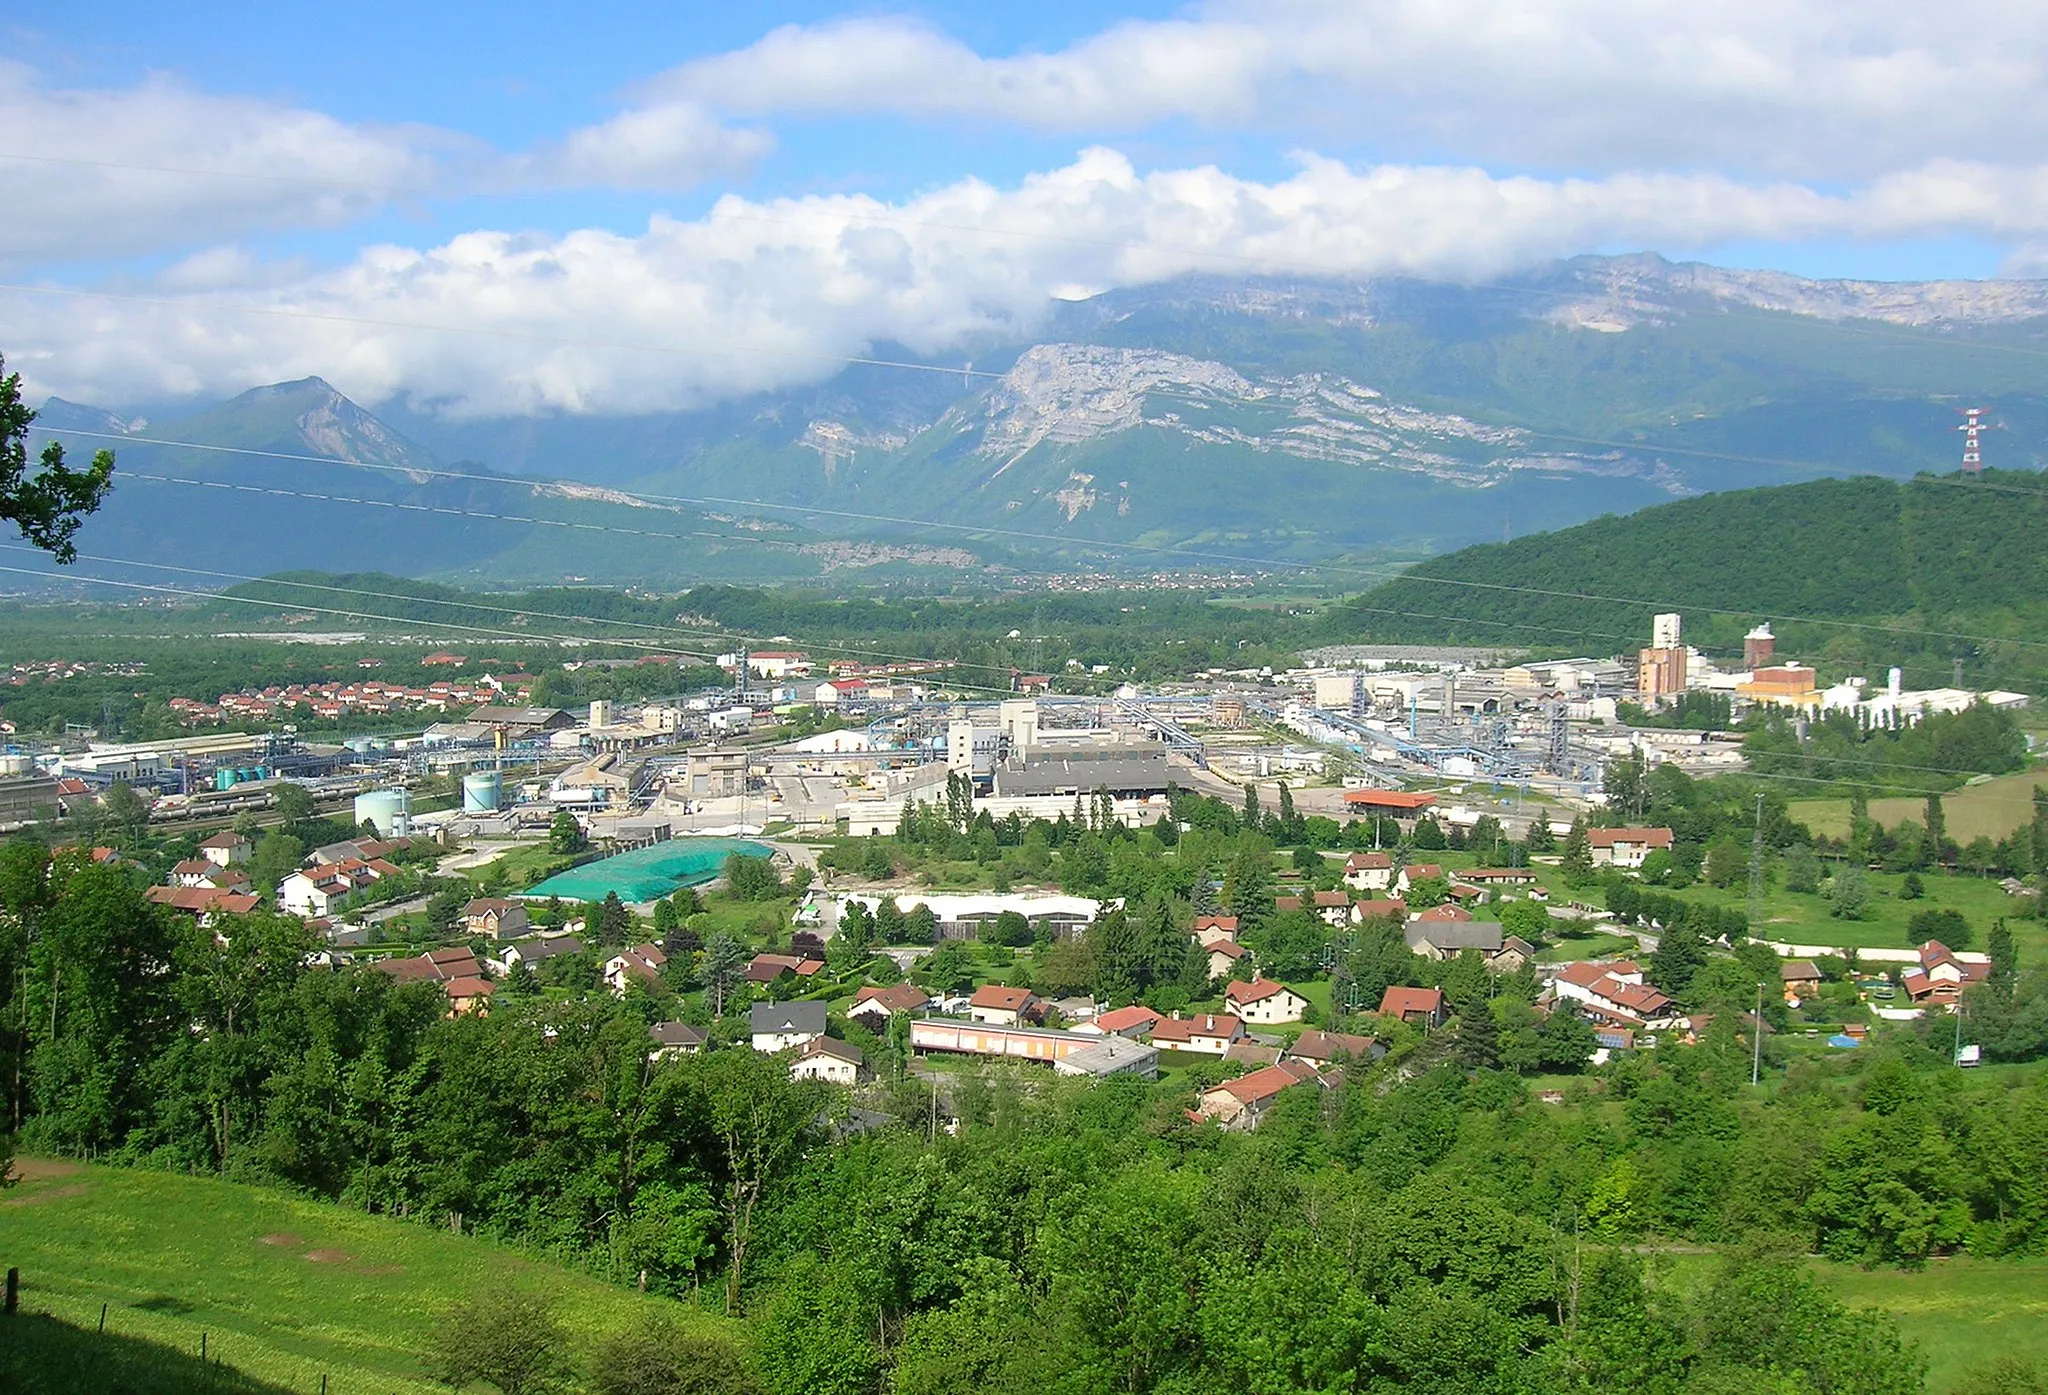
[1939,978]
[1613,994]
[766,968]
[1251,1055]
[641,962]
[997,1006]
[1801,978]
[1627,848]
[199,872]
[786,1026]
[1448,939]
[1499,876]
[1135,1022]
[1418,1005]
[1209,929]
[535,952]
[1449,913]
[1224,957]
[1390,908]
[312,891]
[1210,1034]
[203,903]
[1417,872]
[470,993]
[1242,1103]
[1325,1049]
[830,1059]
[495,918]
[226,848]
[672,1039]
[873,1007]
[454,968]
[1333,908]
[1265,1002]
[1369,871]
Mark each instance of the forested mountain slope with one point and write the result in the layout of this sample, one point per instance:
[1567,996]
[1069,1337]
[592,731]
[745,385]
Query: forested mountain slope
[1920,572]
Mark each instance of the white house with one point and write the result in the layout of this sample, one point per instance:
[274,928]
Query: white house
[1369,871]
[642,962]
[1211,1034]
[1627,847]
[1265,1002]
[830,1059]
[1224,956]
[786,1026]
[998,1006]
[225,849]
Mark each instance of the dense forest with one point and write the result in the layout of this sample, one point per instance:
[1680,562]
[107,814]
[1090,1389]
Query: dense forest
[1932,569]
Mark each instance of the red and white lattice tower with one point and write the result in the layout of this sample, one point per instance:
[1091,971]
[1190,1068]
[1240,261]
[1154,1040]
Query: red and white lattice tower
[1973,425]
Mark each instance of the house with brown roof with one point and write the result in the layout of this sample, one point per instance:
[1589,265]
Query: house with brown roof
[1369,871]
[1940,977]
[1210,1034]
[226,848]
[1446,914]
[496,918]
[1423,1006]
[766,968]
[1396,804]
[1447,939]
[1325,1049]
[453,967]
[1000,1006]
[1265,1002]
[672,1039]
[1801,978]
[1627,848]
[1241,1104]
[873,1007]
[1333,908]
[832,1060]
[1614,994]
[537,951]
[1499,876]
[470,993]
[1388,908]
[202,903]
[641,963]
[1209,929]
[1225,956]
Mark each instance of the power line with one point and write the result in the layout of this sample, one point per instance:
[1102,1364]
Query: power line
[1167,549]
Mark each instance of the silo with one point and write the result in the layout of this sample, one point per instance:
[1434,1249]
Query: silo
[13,764]
[482,792]
[390,810]
[600,713]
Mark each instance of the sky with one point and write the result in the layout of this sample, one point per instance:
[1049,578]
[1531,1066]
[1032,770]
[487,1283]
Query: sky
[490,211]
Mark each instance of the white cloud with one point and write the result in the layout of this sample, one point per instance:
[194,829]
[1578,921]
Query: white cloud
[759,295]
[668,146]
[157,165]
[1813,88]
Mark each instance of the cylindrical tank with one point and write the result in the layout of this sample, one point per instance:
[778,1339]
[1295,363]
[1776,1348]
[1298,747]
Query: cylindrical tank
[390,810]
[12,764]
[482,792]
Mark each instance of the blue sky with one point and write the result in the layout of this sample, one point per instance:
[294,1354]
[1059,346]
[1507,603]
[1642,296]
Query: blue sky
[812,178]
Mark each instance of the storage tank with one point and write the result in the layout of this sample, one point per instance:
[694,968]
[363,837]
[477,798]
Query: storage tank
[482,792]
[600,713]
[390,810]
[12,765]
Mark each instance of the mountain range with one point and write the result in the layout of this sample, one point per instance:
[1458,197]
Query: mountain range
[1199,425]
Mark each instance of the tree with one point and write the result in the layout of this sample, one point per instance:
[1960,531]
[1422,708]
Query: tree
[1577,864]
[1248,885]
[444,908]
[1428,834]
[1848,893]
[1251,806]
[725,959]
[750,878]
[665,1359]
[889,922]
[921,925]
[1565,1041]
[1940,923]
[1911,888]
[1727,860]
[49,503]
[1802,869]
[760,1118]
[565,835]
[511,1341]
[1937,829]
[614,924]
[856,924]
[2005,958]
[1525,918]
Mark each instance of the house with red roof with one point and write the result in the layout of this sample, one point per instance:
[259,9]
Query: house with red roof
[1325,1049]
[1422,1006]
[1940,977]
[641,963]
[1000,1006]
[873,1007]
[1240,1104]
[1211,1034]
[1135,1022]
[1225,956]
[1417,872]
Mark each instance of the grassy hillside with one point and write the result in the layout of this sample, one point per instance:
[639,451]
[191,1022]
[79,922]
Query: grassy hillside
[1943,562]
[1989,809]
[284,1290]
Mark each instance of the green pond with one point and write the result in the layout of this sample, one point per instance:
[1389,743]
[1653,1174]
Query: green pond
[649,873]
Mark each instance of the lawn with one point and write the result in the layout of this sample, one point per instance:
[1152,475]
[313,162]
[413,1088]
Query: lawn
[1802,918]
[1991,808]
[1961,1311]
[285,1290]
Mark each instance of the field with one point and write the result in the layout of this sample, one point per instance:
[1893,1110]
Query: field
[1961,1311]
[286,1291]
[1990,809]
